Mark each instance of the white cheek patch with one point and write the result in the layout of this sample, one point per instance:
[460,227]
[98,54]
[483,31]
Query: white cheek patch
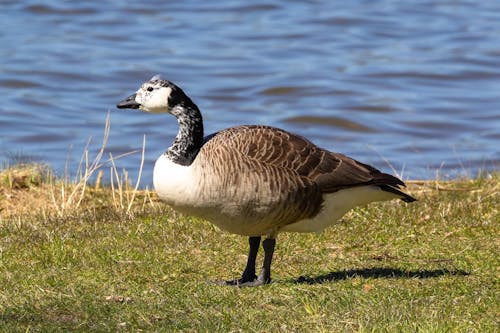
[156,101]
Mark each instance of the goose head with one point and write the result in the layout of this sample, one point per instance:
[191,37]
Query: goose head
[155,96]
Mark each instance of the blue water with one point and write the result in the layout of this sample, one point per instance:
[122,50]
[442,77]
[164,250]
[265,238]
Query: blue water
[410,87]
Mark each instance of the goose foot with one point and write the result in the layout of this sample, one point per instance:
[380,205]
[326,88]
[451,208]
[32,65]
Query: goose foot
[241,281]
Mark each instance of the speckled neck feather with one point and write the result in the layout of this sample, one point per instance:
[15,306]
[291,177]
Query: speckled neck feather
[189,139]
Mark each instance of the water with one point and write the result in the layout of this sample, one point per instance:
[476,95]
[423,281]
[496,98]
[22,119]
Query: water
[411,86]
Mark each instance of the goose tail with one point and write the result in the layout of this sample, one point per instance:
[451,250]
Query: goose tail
[392,184]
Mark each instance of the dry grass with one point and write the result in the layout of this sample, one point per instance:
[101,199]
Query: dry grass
[31,189]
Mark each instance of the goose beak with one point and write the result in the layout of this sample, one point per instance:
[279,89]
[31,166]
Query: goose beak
[128,103]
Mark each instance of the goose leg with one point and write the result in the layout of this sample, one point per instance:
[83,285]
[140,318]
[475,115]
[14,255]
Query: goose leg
[265,274]
[249,272]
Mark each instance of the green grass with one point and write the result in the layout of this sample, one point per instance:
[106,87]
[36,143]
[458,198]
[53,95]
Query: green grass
[430,266]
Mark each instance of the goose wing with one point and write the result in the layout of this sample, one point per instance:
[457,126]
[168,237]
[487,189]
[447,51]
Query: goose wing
[330,171]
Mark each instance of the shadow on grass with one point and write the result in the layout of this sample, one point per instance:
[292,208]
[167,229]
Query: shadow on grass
[378,273]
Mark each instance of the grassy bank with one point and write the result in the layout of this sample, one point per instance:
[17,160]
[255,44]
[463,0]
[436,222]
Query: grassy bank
[112,260]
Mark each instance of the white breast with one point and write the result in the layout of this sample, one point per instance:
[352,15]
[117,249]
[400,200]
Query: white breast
[174,183]
[182,188]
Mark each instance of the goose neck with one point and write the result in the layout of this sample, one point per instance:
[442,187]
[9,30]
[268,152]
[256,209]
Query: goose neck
[189,139]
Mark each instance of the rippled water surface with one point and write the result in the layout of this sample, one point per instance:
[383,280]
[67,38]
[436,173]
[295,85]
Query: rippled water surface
[412,86]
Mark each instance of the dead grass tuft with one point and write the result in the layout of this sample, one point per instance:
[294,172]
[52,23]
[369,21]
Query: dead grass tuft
[31,189]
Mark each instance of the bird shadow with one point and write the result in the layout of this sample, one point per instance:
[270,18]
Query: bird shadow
[378,273]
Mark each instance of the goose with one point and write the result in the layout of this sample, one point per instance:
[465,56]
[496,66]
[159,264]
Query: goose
[255,180]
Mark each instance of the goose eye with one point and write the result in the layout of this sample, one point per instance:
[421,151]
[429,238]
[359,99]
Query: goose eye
[149,89]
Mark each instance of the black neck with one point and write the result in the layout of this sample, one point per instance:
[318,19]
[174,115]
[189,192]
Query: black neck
[189,139]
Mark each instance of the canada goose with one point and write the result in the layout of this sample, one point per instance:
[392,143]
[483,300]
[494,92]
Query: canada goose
[255,180]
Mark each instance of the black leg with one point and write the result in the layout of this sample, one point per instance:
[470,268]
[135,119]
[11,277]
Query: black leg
[249,272]
[265,274]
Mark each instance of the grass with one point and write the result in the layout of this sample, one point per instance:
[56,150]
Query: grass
[117,264]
